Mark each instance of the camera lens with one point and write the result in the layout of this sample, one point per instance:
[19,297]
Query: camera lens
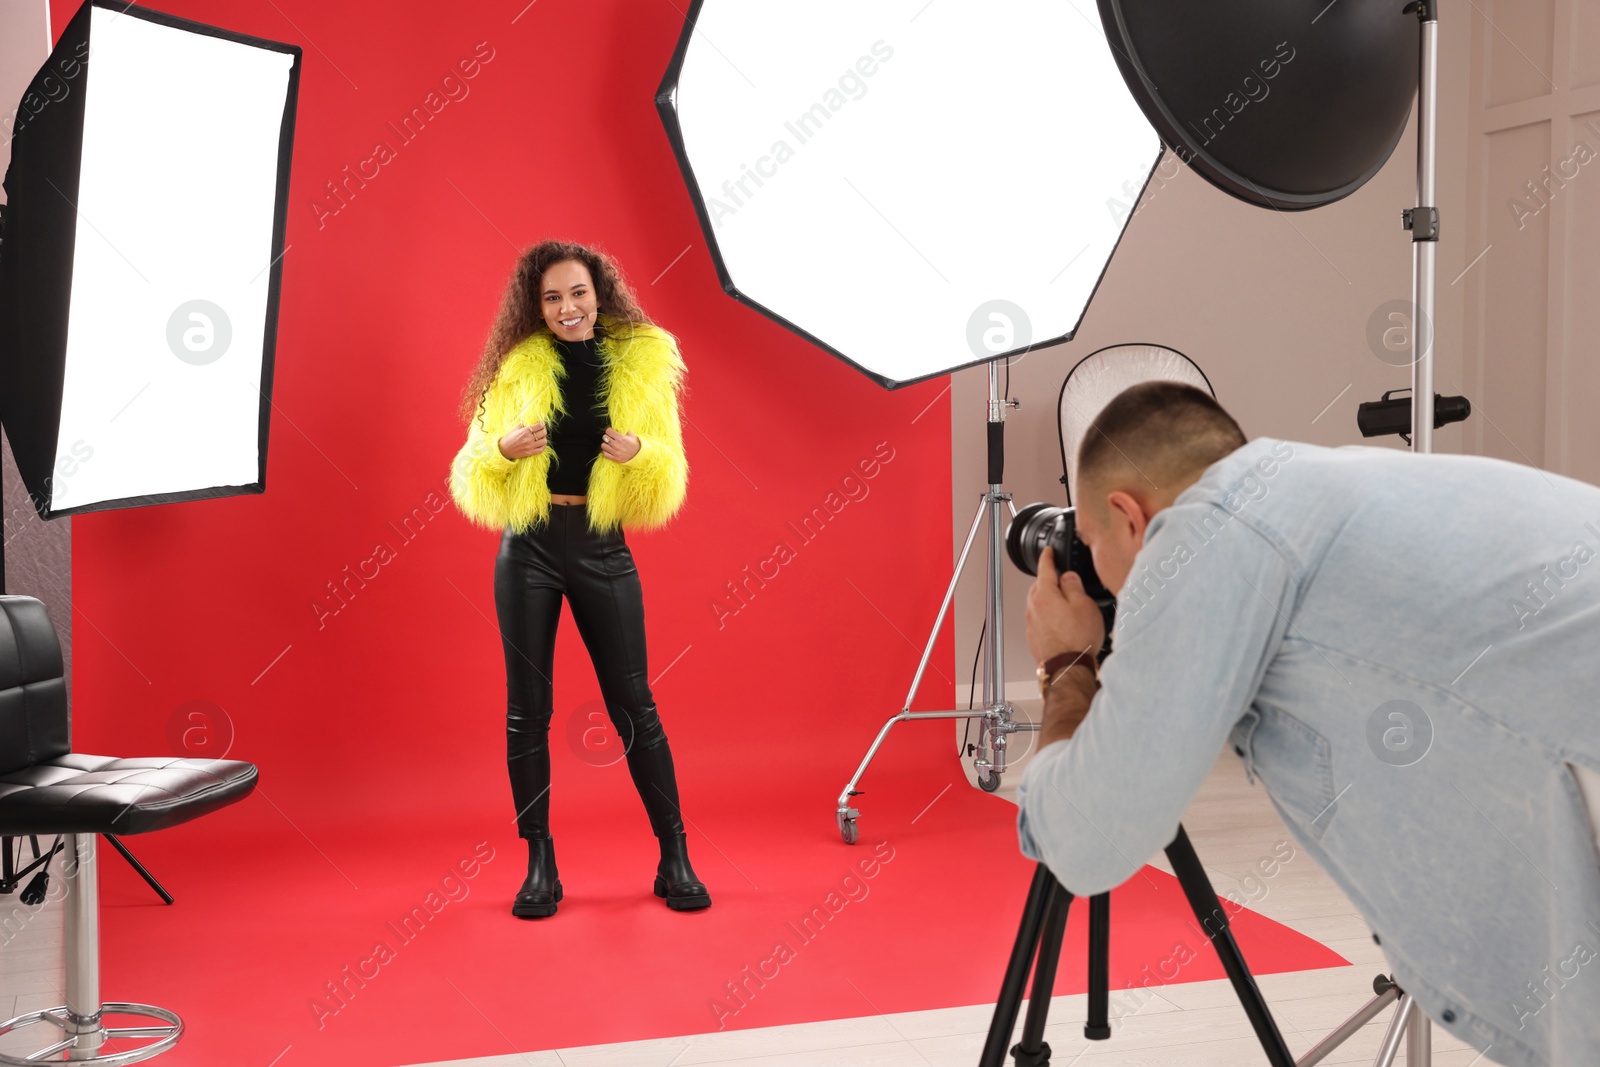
[1038,525]
[1034,527]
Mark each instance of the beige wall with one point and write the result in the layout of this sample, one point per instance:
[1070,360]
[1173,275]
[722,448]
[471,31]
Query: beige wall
[1274,308]
[25,42]
[1532,187]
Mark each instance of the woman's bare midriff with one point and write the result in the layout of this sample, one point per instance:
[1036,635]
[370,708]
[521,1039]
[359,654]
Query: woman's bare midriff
[565,498]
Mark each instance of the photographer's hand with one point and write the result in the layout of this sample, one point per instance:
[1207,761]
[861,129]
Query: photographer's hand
[1061,617]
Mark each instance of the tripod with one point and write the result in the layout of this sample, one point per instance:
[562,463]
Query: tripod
[1044,921]
[997,717]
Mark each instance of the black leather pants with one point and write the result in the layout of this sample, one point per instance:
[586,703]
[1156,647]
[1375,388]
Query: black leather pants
[596,573]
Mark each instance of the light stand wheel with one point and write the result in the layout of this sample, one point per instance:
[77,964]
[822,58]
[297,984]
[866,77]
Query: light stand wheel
[847,825]
[989,781]
[93,1039]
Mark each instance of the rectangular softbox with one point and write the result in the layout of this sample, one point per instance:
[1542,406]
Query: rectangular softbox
[141,259]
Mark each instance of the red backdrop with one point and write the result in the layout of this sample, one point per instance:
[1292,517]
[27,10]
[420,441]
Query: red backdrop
[340,627]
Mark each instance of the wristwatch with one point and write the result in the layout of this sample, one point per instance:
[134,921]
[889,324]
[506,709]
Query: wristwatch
[1054,667]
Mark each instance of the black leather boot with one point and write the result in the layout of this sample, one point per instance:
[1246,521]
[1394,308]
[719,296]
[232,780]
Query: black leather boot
[675,879]
[657,782]
[542,888]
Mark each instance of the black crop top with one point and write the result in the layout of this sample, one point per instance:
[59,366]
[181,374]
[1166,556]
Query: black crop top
[575,436]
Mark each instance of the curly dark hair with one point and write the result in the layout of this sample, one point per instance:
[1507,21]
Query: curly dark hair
[520,316]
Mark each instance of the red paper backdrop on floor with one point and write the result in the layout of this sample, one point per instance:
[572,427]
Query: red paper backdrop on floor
[340,628]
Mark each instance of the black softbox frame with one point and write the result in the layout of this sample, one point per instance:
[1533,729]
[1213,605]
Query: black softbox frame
[37,252]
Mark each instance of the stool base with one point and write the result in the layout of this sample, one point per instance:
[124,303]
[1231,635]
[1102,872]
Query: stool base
[81,1044]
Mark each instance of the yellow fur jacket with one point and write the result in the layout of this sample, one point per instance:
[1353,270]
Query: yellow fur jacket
[641,377]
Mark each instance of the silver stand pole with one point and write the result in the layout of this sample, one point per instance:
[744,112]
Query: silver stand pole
[1409,1022]
[997,717]
[81,934]
[1424,246]
[1423,221]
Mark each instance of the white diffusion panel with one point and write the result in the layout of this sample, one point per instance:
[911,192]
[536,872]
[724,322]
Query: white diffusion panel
[170,270]
[878,173]
[1101,375]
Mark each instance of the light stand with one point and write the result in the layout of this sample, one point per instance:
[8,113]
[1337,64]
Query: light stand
[1423,222]
[997,718]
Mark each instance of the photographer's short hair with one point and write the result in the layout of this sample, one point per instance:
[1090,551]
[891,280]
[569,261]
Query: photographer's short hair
[1154,435]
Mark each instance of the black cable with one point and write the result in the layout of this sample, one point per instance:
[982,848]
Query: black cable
[972,686]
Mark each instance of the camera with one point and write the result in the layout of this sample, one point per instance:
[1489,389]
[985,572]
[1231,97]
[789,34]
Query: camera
[1039,525]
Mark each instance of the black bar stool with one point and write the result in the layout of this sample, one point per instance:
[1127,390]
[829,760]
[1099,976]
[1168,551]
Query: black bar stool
[46,788]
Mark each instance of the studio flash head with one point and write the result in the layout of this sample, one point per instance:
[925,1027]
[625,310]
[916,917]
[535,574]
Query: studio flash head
[1041,524]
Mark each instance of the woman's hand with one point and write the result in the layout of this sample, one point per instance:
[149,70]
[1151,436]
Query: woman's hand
[619,446]
[524,441]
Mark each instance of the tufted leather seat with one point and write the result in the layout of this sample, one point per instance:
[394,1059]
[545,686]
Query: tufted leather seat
[76,793]
[46,788]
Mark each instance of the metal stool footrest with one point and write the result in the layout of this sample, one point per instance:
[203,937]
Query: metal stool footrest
[95,1034]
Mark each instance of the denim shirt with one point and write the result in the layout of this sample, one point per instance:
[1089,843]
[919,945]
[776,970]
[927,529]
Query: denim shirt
[1405,650]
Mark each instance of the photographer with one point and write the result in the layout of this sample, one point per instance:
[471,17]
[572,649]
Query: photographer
[1404,649]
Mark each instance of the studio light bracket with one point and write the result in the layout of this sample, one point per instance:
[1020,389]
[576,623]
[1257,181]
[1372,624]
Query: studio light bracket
[1423,222]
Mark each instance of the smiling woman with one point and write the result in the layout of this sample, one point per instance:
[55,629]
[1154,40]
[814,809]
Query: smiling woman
[571,347]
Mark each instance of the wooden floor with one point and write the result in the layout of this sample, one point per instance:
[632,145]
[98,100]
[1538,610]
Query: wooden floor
[1199,1024]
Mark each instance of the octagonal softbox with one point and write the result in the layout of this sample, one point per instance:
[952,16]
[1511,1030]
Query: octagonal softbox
[914,188]
[1288,104]
[140,263]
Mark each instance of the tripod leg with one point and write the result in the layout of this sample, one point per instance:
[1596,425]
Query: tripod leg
[1022,955]
[1097,1027]
[1214,921]
[146,875]
[1032,1051]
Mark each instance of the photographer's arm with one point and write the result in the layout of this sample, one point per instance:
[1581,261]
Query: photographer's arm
[1191,645]
[1066,703]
